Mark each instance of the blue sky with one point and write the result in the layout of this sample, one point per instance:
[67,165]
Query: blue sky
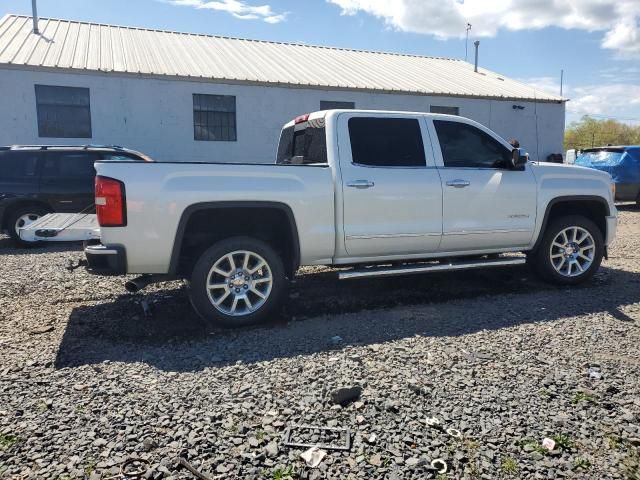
[596,42]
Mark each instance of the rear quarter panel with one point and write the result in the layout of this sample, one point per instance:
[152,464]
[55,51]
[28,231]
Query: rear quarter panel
[157,194]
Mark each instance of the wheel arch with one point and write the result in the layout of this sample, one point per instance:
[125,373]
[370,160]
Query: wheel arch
[594,207]
[282,211]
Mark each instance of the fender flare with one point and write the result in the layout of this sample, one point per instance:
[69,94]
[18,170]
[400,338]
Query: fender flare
[191,209]
[566,199]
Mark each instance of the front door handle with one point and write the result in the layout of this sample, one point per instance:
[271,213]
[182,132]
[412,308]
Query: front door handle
[360,184]
[458,183]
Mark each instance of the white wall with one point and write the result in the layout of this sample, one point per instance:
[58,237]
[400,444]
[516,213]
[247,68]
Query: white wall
[155,116]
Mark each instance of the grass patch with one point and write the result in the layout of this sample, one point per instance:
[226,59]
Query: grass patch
[7,441]
[563,442]
[613,441]
[281,473]
[583,397]
[260,435]
[509,466]
[581,463]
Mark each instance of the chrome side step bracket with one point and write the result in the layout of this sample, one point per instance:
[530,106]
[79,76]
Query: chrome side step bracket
[416,268]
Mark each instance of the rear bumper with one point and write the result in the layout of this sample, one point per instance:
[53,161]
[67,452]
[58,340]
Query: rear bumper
[612,226]
[106,259]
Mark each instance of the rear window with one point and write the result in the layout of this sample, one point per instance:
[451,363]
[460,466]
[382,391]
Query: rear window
[303,146]
[69,164]
[386,142]
[17,164]
[600,157]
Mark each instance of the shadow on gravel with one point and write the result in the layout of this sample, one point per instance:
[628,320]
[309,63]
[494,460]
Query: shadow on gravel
[7,247]
[173,338]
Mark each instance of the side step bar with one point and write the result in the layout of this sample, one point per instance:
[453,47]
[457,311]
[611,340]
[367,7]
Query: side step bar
[415,268]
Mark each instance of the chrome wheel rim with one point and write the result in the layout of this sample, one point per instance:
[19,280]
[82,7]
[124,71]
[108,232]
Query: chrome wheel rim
[572,251]
[239,283]
[26,220]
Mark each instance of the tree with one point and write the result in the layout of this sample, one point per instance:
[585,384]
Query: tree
[590,132]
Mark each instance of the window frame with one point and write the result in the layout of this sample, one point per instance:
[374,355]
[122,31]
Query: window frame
[41,104]
[424,133]
[196,124]
[481,128]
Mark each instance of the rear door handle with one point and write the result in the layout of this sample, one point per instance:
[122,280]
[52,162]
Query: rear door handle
[458,183]
[360,184]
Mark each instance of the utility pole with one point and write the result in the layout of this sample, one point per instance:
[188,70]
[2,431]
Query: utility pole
[561,80]
[466,43]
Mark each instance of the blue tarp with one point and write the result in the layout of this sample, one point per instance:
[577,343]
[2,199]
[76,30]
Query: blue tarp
[623,164]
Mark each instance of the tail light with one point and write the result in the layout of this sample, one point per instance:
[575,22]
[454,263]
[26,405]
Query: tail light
[110,202]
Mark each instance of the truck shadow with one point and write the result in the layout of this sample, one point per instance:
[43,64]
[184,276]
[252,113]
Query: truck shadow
[173,338]
[7,247]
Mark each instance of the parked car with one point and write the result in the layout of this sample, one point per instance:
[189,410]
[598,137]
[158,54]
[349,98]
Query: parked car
[622,163]
[36,180]
[377,193]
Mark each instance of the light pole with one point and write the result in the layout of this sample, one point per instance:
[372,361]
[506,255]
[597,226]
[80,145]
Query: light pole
[466,43]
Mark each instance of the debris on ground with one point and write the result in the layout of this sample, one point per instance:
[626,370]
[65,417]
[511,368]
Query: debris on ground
[345,396]
[313,456]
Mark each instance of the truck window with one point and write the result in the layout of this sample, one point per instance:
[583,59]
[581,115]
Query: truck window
[70,165]
[386,142]
[465,146]
[17,164]
[303,145]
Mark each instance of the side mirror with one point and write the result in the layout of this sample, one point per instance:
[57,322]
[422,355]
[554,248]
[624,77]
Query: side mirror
[518,159]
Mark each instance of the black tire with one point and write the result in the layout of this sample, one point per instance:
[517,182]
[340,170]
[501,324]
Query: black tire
[541,259]
[199,293]
[14,216]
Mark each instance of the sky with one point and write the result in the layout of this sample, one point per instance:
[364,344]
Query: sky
[595,42]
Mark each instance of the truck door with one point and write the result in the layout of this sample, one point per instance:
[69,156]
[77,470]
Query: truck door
[486,204]
[391,190]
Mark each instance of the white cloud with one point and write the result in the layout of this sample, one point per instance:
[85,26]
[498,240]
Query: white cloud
[620,101]
[238,8]
[447,18]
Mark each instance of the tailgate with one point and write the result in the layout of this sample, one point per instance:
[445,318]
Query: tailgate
[62,227]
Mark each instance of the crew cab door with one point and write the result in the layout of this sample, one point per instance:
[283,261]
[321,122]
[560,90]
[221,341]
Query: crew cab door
[391,190]
[486,204]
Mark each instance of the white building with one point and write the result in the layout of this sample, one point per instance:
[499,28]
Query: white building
[186,97]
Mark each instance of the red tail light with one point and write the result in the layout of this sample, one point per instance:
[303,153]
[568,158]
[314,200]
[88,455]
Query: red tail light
[111,204]
[301,118]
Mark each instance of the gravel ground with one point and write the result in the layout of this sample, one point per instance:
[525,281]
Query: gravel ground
[89,380]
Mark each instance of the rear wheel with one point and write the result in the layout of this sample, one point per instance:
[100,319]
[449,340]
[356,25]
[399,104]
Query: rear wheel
[23,217]
[236,282]
[571,251]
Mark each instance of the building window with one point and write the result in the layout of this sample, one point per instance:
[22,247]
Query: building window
[63,112]
[331,105]
[445,110]
[214,118]
[386,142]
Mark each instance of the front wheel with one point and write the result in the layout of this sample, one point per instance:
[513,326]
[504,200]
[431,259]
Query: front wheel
[571,251]
[236,282]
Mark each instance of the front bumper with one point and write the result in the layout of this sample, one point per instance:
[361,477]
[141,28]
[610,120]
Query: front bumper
[106,259]
[612,226]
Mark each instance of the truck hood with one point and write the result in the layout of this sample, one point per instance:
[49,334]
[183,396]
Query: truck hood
[542,169]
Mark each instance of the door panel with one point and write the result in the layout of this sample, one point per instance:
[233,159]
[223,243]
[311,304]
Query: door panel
[388,210]
[67,180]
[497,209]
[486,204]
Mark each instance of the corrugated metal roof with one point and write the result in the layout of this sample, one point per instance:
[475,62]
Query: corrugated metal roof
[64,44]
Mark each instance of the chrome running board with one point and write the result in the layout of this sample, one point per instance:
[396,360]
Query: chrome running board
[415,268]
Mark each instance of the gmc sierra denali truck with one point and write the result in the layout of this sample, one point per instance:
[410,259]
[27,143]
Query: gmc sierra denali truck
[377,193]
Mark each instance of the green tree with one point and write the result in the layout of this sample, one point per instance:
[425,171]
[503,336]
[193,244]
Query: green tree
[590,132]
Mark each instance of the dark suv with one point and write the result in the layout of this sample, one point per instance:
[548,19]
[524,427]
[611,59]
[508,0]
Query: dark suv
[36,180]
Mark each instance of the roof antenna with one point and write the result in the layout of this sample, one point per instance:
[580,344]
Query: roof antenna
[477,44]
[34,7]
[466,43]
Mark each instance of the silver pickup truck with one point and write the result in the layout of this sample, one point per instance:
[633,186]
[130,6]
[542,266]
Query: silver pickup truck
[378,193]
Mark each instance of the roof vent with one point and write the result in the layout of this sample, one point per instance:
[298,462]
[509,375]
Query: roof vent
[34,8]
